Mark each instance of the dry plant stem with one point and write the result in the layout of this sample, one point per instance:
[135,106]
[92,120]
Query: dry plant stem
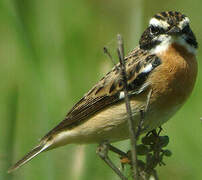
[128,108]
[102,151]
[117,151]
[142,114]
[109,55]
[139,128]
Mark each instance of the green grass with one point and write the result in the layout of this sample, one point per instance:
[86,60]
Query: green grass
[51,54]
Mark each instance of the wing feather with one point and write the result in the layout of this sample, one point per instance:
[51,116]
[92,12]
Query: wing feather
[139,64]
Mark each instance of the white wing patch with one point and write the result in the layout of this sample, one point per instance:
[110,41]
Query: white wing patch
[121,95]
[148,68]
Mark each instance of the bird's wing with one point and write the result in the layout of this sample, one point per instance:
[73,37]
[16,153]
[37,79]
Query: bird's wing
[139,64]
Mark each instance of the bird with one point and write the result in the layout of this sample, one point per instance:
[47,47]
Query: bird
[164,63]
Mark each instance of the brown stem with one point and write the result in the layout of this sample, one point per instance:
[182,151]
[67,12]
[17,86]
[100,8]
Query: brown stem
[128,108]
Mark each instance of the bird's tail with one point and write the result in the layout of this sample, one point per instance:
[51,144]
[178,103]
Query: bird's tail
[34,152]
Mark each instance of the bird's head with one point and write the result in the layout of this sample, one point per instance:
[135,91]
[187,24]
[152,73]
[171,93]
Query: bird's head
[166,28]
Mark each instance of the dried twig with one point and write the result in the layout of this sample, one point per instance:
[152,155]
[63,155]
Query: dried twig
[102,151]
[109,55]
[152,147]
[152,143]
[131,125]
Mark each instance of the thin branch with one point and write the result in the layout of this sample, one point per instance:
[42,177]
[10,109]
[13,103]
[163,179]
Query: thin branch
[142,115]
[128,108]
[109,55]
[102,151]
[117,151]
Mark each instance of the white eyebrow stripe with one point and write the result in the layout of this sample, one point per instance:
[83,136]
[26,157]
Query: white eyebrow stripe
[184,22]
[160,23]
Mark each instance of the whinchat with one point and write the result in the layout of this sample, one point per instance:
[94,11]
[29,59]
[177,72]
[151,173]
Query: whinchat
[164,64]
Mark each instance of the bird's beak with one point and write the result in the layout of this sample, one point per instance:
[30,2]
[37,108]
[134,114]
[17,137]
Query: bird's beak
[174,31]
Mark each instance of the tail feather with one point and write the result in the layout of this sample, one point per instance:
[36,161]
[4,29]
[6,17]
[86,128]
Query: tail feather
[34,152]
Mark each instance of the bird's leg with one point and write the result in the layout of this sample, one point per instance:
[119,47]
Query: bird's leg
[102,151]
[142,114]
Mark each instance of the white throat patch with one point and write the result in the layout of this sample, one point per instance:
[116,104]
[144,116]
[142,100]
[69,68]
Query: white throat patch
[167,40]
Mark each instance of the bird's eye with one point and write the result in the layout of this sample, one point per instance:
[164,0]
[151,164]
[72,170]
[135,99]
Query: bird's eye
[186,29]
[154,30]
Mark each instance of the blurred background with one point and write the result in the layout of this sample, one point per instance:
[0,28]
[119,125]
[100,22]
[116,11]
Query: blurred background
[51,53]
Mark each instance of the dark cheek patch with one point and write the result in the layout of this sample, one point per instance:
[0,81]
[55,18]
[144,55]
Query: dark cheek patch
[191,39]
[149,44]
[146,41]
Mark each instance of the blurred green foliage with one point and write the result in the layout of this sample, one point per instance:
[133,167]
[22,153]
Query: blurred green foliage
[51,54]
